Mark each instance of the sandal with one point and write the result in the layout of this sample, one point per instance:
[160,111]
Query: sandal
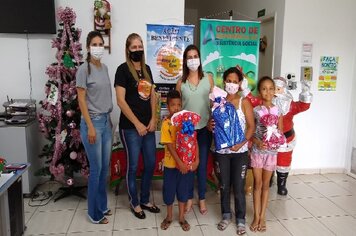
[165,224]
[254,228]
[153,208]
[141,215]
[108,213]
[185,226]
[262,226]
[103,221]
[241,229]
[223,224]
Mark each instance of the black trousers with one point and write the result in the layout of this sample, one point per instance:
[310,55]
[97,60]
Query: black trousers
[231,169]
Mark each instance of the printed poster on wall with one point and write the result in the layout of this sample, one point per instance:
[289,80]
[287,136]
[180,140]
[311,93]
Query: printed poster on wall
[328,73]
[227,43]
[165,47]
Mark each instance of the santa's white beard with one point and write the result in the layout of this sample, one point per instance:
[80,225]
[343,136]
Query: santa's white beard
[283,101]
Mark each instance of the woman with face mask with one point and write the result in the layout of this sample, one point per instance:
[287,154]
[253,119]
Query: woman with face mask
[135,95]
[195,87]
[231,163]
[95,102]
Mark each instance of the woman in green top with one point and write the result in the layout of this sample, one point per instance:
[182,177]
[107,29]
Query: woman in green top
[195,88]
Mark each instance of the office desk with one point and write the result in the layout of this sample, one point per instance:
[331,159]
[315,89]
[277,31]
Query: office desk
[12,218]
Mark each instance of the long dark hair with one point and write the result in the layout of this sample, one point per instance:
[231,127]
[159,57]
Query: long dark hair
[233,70]
[185,67]
[91,35]
[129,40]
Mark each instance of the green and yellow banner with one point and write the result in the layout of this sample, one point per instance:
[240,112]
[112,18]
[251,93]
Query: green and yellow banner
[228,43]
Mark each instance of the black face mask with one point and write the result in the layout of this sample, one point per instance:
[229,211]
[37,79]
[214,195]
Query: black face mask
[136,56]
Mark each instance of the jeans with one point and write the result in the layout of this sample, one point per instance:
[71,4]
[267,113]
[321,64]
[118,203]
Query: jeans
[231,169]
[204,141]
[134,144]
[99,156]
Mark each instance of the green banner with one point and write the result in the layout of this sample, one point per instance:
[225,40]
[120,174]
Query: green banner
[227,43]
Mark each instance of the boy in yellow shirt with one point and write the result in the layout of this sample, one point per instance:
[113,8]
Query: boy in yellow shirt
[176,174]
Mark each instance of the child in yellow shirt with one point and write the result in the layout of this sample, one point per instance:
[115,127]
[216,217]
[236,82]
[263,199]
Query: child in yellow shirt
[176,174]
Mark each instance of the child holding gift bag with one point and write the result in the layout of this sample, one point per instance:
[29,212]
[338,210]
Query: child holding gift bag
[231,162]
[179,160]
[267,139]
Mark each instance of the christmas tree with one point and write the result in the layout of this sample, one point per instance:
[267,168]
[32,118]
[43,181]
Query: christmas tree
[59,115]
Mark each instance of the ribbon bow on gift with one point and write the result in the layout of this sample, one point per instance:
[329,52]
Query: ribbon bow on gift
[187,127]
[272,129]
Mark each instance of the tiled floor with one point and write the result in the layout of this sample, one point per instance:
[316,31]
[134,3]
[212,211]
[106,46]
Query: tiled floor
[316,205]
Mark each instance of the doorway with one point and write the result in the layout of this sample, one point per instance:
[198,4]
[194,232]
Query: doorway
[266,57]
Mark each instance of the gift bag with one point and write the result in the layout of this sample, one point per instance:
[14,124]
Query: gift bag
[227,131]
[272,137]
[186,141]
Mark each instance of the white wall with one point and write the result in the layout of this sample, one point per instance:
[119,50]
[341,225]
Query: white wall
[325,134]
[127,16]
[325,130]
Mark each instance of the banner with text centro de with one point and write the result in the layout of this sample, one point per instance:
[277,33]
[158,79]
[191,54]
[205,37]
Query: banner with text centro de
[165,47]
[228,43]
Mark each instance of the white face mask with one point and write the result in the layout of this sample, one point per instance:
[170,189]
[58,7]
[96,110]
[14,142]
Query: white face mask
[193,64]
[96,52]
[231,88]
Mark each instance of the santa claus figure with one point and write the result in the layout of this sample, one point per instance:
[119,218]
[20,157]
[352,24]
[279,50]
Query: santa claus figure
[284,100]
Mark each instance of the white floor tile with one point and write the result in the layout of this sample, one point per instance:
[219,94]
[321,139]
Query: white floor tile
[273,228]
[339,177]
[136,232]
[96,233]
[68,203]
[49,222]
[190,217]
[177,231]
[348,203]
[124,219]
[348,186]
[81,223]
[287,209]
[321,207]
[212,218]
[329,189]
[302,190]
[212,230]
[306,227]
[313,178]
[249,213]
[343,225]
[319,204]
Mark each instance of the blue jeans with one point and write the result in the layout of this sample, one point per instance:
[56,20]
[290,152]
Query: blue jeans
[99,156]
[134,144]
[204,141]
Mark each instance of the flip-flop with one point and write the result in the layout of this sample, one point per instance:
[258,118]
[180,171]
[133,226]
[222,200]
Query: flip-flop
[223,224]
[108,213]
[185,225]
[262,227]
[241,229]
[103,221]
[165,224]
[254,228]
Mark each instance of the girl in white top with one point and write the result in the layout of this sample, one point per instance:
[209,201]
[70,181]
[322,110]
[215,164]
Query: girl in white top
[231,163]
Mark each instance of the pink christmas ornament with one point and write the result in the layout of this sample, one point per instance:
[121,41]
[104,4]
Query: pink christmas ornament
[69,113]
[73,155]
[72,125]
[70,181]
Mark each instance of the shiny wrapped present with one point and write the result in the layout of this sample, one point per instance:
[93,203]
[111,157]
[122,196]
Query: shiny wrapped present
[186,142]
